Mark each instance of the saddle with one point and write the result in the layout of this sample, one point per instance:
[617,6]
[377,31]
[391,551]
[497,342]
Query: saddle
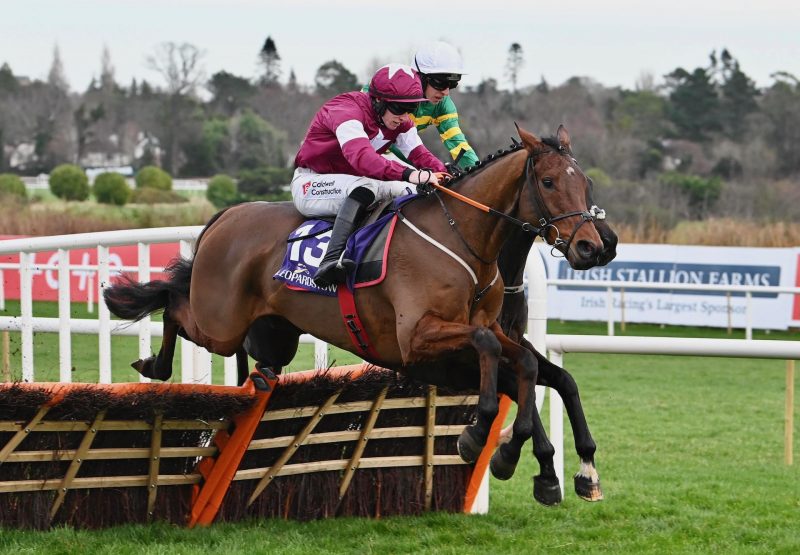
[367,247]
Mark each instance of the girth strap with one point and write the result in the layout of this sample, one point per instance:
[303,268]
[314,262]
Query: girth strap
[352,323]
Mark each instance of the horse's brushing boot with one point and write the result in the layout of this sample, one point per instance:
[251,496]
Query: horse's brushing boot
[334,267]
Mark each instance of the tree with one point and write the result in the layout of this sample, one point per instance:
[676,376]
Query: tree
[258,143]
[269,58]
[106,71]
[84,120]
[180,66]
[211,153]
[8,83]
[781,106]
[738,100]
[693,103]
[56,77]
[292,84]
[514,63]
[333,78]
[230,92]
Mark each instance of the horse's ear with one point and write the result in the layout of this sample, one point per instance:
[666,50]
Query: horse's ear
[563,138]
[531,141]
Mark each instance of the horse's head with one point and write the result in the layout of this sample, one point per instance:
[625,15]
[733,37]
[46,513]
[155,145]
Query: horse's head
[558,196]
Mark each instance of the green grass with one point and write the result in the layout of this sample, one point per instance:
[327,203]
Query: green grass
[690,454]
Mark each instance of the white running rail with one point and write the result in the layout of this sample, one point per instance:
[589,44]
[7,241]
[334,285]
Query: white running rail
[195,361]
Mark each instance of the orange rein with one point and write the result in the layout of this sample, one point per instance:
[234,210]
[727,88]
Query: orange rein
[459,196]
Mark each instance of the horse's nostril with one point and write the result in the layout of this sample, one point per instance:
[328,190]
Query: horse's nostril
[586,249]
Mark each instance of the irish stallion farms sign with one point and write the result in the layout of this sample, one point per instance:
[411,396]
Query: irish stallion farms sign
[673,264]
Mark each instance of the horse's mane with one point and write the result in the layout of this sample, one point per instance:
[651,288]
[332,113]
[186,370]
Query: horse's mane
[552,142]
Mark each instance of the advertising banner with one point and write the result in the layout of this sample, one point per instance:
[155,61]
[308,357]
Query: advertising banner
[680,264]
[45,273]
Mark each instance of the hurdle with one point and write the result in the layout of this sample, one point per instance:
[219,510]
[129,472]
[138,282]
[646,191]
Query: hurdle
[347,441]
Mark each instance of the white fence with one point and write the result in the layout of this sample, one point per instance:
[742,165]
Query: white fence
[41,183]
[195,361]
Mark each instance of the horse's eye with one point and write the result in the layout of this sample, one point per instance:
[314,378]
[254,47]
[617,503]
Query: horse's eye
[548,182]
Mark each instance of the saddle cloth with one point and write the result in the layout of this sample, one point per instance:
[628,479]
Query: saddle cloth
[308,243]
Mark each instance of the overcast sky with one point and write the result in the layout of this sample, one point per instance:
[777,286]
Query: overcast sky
[614,42]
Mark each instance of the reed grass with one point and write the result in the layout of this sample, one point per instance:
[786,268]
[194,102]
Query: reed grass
[714,232]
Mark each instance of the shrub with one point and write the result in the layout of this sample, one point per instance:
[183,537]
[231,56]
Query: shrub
[68,182]
[222,191]
[264,181]
[111,188]
[11,184]
[153,177]
[148,195]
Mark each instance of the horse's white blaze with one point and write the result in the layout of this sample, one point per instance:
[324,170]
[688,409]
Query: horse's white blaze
[589,471]
[570,171]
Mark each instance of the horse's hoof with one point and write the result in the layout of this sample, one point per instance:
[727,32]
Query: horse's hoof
[468,447]
[260,382]
[546,490]
[502,464]
[266,371]
[586,489]
[147,368]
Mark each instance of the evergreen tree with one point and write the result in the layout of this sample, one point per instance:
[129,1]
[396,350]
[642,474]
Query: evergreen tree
[8,83]
[292,84]
[739,95]
[271,62]
[693,107]
[333,78]
[230,92]
[514,63]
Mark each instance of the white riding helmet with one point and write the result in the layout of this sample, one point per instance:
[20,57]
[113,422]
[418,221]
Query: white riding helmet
[438,57]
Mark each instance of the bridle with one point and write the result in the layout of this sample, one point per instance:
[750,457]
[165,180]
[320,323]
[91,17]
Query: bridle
[546,221]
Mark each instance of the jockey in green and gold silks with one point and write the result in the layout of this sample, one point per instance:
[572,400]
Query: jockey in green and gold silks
[440,68]
[445,117]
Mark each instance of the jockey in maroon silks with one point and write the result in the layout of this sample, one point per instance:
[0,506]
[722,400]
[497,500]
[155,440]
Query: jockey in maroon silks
[340,170]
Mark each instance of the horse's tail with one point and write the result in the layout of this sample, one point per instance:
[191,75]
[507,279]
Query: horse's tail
[132,300]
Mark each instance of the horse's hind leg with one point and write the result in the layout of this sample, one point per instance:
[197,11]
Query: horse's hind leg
[546,488]
[159,367]
[272,341]
[587,481]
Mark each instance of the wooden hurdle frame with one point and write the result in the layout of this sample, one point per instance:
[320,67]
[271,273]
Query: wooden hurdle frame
[220,481]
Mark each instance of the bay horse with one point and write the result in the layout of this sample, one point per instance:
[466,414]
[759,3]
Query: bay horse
[439,302]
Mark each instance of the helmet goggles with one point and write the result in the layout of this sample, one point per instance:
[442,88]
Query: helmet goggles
[400,108]
[442,81]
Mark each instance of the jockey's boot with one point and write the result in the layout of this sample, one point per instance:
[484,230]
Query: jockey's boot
[334,267]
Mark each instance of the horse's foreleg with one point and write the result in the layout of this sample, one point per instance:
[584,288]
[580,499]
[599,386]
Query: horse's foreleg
[587,481]
[159,367]
[546,487]
[434,337]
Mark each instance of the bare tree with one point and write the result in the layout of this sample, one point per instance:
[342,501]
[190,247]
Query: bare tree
[56,76]
[179,65]
[106,70]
